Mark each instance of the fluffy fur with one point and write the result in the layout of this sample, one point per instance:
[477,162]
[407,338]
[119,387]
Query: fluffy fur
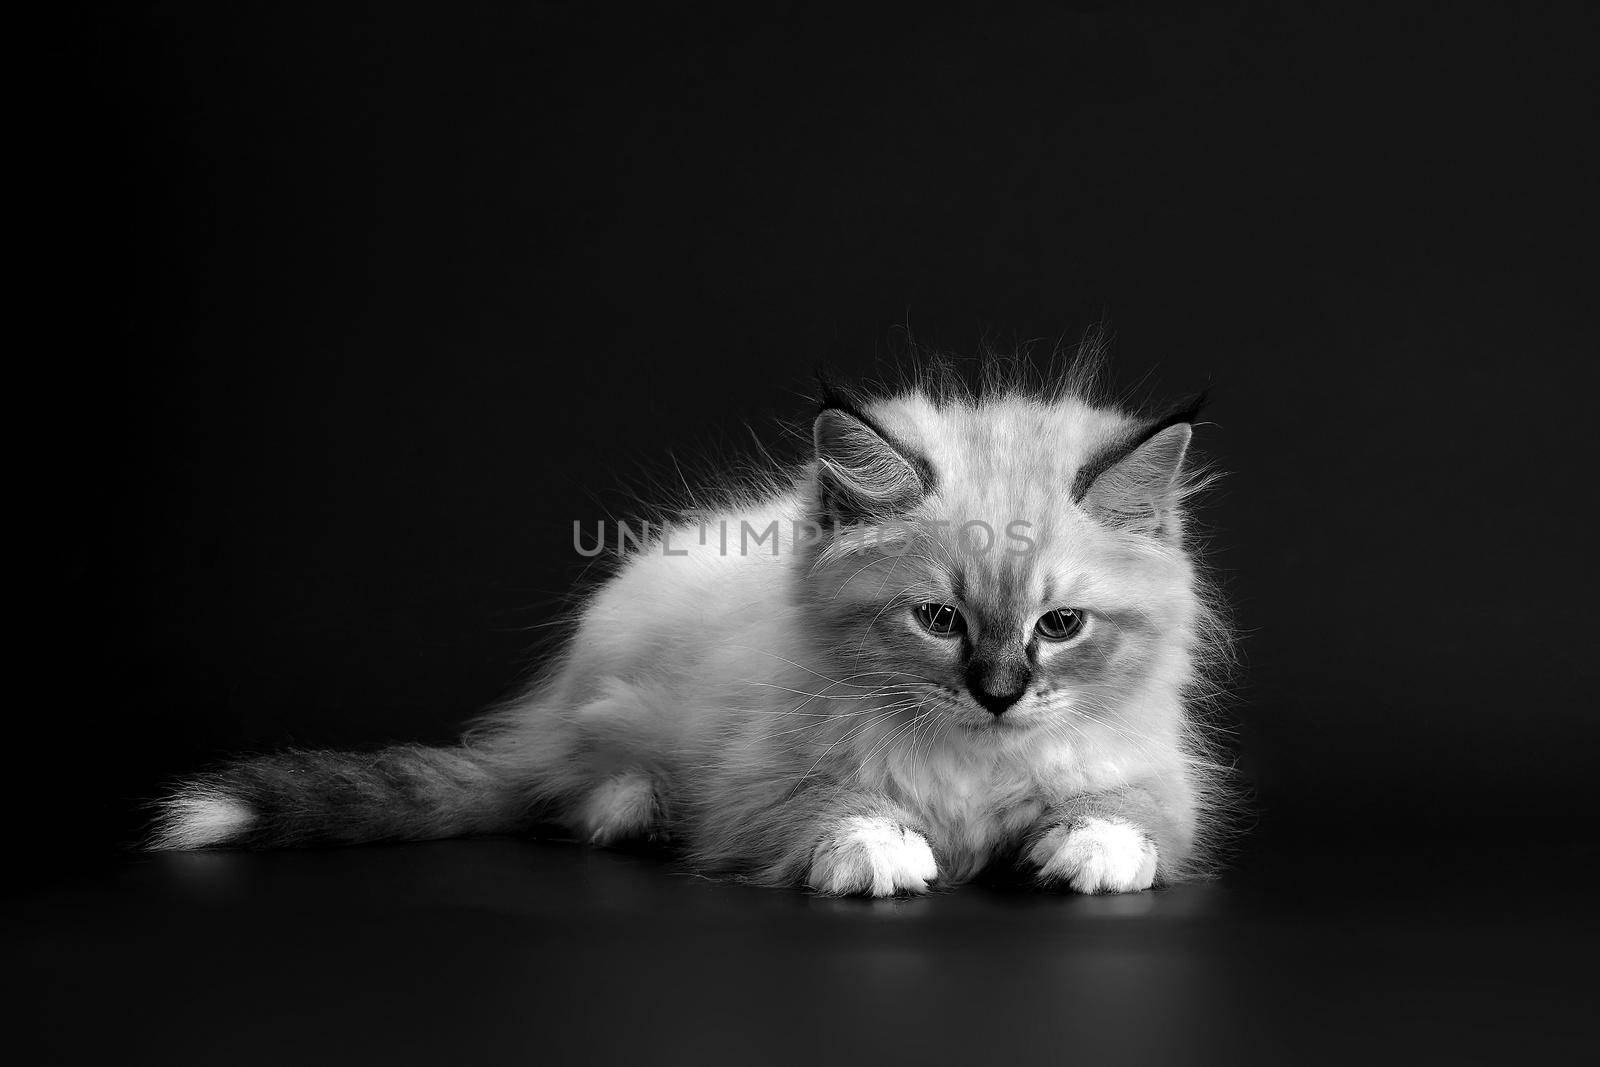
[785,715]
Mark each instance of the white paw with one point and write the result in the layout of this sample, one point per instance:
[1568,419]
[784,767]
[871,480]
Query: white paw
[872,856]
[619,808]
[1096,856]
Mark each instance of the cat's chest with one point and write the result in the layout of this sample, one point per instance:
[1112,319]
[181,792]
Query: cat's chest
[969,804]
[975,807]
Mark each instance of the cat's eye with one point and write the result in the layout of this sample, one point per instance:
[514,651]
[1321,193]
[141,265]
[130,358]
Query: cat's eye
[1062,624]
[941,619]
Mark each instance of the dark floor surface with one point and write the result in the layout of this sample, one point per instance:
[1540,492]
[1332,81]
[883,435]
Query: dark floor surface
[1478,948]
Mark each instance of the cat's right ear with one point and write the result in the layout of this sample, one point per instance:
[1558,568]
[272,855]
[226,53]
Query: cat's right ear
[863,474]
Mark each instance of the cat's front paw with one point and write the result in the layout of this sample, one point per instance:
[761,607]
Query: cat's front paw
[873,857]
[1096,856]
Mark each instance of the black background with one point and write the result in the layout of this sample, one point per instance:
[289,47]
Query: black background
[373,304]
[349,313]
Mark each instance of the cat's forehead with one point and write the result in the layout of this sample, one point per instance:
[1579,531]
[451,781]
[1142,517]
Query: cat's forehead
[1005,455]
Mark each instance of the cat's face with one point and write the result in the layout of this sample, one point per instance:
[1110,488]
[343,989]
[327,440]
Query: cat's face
[991,595]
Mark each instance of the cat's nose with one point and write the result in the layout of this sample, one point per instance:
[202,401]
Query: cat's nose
[997,703]
[997,681]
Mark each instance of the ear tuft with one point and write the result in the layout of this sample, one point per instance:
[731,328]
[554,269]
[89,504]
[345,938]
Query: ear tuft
[861,473]
[831,394]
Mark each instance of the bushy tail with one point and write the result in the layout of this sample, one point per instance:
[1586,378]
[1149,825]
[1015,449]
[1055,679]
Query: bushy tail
[400,793]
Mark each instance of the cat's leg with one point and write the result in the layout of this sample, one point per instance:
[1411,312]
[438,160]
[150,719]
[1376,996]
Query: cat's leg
[621,807]
[615,782]
[839,839]
[869,847]
[1117,842]
[1092,854]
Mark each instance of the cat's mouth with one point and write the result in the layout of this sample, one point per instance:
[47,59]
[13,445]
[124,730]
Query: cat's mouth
[980,721]
[972,718]
[993,726]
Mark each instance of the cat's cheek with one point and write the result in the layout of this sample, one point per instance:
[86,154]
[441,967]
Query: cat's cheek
[1096,856]
[874,857]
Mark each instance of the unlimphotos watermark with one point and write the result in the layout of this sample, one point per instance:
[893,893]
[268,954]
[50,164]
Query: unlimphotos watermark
[730,535]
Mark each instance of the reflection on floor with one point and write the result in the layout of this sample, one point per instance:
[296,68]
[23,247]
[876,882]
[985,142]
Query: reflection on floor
[505,950]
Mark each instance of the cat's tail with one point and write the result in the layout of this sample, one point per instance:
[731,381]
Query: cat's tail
[400,793]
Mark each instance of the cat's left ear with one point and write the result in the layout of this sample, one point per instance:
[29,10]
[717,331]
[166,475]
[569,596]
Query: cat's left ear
[1138,485]
[863,474]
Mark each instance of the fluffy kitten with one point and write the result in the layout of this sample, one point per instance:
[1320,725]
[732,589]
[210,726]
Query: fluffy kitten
[970,636]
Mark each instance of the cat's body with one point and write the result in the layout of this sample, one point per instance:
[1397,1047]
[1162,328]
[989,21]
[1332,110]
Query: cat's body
[802,710]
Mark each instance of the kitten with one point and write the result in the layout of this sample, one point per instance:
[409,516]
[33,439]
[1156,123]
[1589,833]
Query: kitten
[966,630]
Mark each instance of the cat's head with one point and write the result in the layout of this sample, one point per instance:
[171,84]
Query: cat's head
[1008,563]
